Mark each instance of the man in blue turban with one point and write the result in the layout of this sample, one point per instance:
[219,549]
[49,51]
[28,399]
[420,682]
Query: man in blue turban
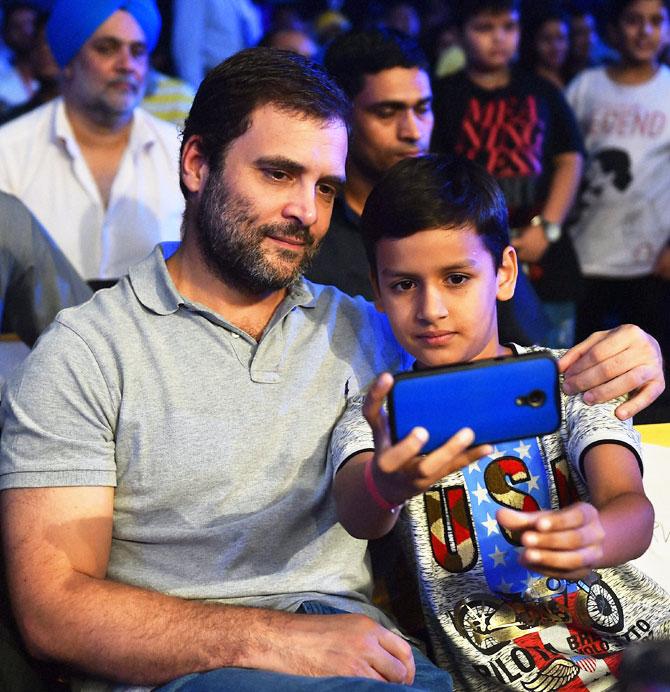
[96,169]
[73,22]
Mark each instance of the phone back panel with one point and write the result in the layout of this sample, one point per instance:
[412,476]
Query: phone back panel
[500,399]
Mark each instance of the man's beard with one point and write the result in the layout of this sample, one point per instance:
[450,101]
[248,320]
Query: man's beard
[231,243]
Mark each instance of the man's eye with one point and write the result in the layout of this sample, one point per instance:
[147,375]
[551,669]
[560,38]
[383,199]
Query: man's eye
[385,113]
[327,191]
[105,48]
[276,175]
[423,109]
[138,51]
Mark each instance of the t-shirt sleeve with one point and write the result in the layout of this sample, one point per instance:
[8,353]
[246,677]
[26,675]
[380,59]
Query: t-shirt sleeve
[351,435]
[58,418]
[597,424]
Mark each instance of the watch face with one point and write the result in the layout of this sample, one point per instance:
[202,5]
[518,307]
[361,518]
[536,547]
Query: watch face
[552,231]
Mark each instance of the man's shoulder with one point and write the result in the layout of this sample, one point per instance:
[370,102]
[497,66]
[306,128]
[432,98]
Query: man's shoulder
[332,304]
[332,300]
[95,314]
[27,127]
[166,132]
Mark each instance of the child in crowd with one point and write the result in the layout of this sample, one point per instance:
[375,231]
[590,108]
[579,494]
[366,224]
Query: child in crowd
[621,227]
[510,597]
[520,128]
[545,39]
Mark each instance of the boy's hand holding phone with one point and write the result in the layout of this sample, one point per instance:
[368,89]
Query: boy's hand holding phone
[398,471]
[565,543]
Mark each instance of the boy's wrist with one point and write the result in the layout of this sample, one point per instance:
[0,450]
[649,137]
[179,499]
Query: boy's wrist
[374,491]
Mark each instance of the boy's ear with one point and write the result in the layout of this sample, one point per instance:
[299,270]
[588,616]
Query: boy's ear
[375,291]
[507,274]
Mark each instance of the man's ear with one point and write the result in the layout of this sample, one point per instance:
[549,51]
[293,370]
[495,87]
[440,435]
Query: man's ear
[507,274]
[193,168]
[374,282]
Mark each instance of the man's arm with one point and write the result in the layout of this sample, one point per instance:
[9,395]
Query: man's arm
[40,280]
[531,244]
[57,544]
[611,364]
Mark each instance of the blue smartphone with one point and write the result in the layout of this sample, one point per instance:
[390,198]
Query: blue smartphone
[506,398]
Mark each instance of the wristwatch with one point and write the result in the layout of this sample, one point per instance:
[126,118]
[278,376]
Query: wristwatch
[552,230]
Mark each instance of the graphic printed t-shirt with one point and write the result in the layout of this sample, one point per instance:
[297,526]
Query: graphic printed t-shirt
[493,623]
[514,132]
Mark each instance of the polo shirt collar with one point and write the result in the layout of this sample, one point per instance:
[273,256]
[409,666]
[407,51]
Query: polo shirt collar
[156,291]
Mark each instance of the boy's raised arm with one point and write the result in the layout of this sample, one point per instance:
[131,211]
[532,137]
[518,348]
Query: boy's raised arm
[614,528]
[370,486]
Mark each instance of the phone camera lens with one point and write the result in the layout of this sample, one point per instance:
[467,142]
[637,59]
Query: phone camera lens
[536,398]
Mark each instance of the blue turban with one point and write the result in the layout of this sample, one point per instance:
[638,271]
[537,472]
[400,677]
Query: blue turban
[73,22]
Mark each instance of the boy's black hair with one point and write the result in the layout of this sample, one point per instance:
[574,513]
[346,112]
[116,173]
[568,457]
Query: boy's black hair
[369,51]
[435,191]
[464,10]
[612,10]
[222,108]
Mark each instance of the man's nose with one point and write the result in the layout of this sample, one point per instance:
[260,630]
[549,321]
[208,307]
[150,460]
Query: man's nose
[125,60]
[302,207]
[408,127]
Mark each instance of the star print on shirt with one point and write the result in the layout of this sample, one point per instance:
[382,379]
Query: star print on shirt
[517,480]
[482,494]
[491,525]
[499,557]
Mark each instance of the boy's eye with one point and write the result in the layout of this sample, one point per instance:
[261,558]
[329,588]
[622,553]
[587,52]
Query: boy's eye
[423,108]
[457,279]
[402,286]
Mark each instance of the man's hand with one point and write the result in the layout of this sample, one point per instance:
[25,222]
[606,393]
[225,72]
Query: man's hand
[349,645]
[397,470]
[530,244]
[616,362]
[565,543]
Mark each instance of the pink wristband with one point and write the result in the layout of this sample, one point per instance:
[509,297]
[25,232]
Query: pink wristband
[372,488]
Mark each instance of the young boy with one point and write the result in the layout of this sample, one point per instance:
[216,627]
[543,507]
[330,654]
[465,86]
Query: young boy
[521,129]
[436,234]
[621,226]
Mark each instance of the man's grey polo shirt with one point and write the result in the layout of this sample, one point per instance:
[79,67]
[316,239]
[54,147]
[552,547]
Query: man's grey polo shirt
[216,444]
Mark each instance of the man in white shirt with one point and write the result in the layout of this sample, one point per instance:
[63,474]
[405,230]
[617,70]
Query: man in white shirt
[95,169]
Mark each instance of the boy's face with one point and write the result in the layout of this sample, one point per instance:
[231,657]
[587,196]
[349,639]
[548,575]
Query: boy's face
[642,31]
[490,39]
[439,288]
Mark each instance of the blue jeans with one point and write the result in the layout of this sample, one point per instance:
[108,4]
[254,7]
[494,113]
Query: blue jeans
[428,675]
